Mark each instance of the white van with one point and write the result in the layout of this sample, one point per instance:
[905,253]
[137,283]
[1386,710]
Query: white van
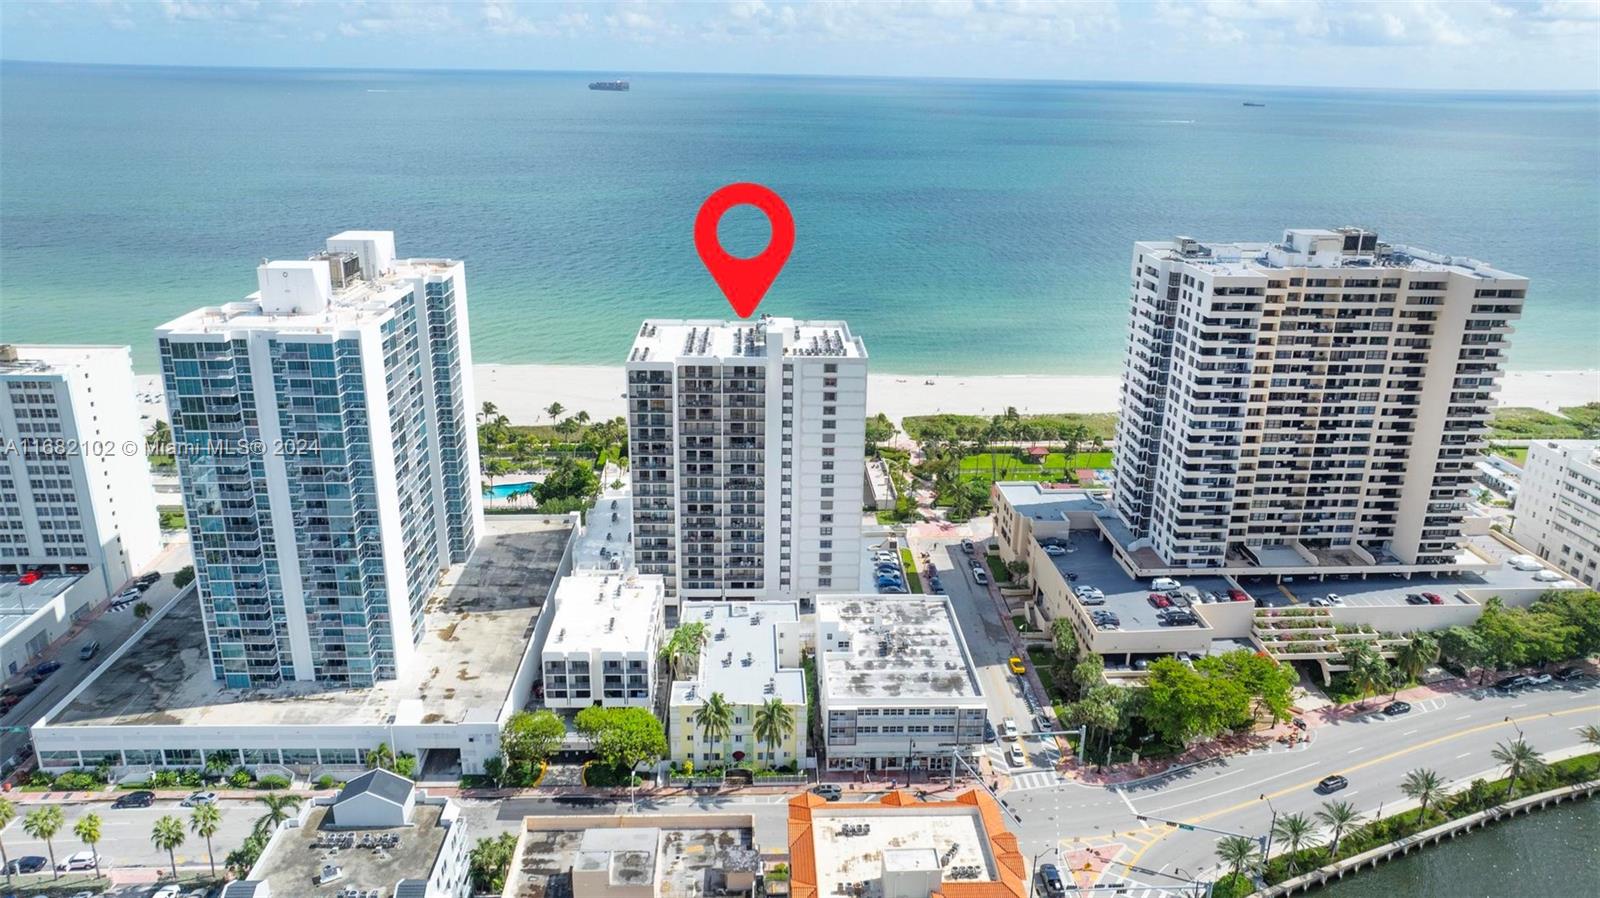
[1164,584]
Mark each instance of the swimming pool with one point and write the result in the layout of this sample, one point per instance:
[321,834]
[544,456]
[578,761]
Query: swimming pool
[507,490]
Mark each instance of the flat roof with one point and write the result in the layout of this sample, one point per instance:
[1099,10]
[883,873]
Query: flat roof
[690,861]
[295,861]
[605,542]
[899,647]
[19,603]
[35,359]
[1391,589]
[613,612]
[740,657]
[1229,257]
[1091,559]
[476,628]
[666,340]
[1042,502]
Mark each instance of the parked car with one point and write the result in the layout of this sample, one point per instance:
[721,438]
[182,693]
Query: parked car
[828,791]
[1008,729]
[1335,599]
[89,650]
[31,863]
[168,891]
[1511,683]
[1433,598]
[199,798]
[1238,595]
[152,577]
[979,577]
[1395,709]
[1159,600]
[1568,674]
[140,799]
[1016,665]
[1415,598]
[1539,679]
[1050,881]
[1054,550]
[937,585]
[892,590]
[989,734]
[1015,756]
[968,547]
[1330,784]
[45,669]
[81,860]
[1319,603]
[1094,598]
[1164,584]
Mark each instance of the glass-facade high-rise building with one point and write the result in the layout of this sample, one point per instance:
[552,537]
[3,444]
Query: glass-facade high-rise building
[329,470]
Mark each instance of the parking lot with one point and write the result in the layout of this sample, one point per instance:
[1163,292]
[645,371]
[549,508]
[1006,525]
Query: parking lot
[1388,589]
[125,833]
[1129,599]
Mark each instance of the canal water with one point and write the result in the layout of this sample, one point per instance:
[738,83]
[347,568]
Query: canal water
[1553,853]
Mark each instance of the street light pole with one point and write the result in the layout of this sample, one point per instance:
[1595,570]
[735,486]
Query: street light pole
[1266,841]
[1514,726]
[1033,871]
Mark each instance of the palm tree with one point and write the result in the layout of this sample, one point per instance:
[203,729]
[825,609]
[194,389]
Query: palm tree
[1295,832]
[87,829]
[1519,758]
[279,804]
[685,644]
[43,823]
[1338,816]
[1589,732]
[167,835]
[8,813]
[715,720]
[1238,853]
[554,410]
[381,758]
[1414,658]
[773,723]
[1426,787]
[204,822]
[1368,671]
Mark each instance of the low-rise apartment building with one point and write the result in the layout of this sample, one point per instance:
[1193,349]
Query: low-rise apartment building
[896,683]
[751,657]
[604,634]
[1558,507]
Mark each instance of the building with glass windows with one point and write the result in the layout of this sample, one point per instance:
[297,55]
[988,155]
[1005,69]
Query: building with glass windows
[746,445]
[329,465]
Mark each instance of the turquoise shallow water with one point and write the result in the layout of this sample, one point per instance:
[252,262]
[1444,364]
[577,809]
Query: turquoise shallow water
[972,227]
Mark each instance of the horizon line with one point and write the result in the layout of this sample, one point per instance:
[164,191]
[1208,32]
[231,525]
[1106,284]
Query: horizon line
[1533,91]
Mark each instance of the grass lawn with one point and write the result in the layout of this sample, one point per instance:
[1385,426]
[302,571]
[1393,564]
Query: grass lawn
[913,582]
[1053,468]
[1517,454]
[1041,658]
[997,569]
[1102,424]
[1520,423]
[1586,416]
[172,517]
[1021,623]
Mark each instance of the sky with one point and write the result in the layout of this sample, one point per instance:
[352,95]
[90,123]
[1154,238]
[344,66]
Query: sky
[1424,44]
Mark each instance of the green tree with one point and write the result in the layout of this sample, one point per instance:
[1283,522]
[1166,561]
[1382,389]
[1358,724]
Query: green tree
[280,807]
[204,821]
[43,824]
[381,758]
[684,646]
[1589,733]
[1295,832]
[1579,611]
[241,860]
[1184,705]
[715,720]
[1238,852]
[87,829]
[490,863]
[530,737]
[406,765]
[183,577]
[772,725]
[8,813]
[623,738]
[1368,672]
[1339,817]
[554,410]
[495,769]
[1064,652]
[1098,713]
[1464,648]
[1413,659]
[1426,788]
[1520,759]
[1269,684]
[568,481]
[141,610]
[1089,673]
[167,835]
[879,430]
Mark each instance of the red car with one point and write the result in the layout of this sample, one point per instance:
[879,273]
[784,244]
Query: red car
[1159,600]
[1433,598]
[1238,595]
[28,578]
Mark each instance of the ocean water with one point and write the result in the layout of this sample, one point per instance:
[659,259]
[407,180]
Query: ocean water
[960,226]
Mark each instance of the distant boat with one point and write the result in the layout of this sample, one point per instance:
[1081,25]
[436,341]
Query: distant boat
[1247,103]
[608,85]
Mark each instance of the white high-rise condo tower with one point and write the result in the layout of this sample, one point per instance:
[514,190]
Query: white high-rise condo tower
[1323,395]
[746,446]
[328,459]
[73,499]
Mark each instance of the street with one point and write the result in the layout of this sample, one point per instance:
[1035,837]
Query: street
[125,833]
[110,628]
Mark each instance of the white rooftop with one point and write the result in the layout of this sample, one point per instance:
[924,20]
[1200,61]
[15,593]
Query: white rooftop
[898,647]
[893,840]
[740,657]
[20,603]
[610,611]
[1041,503]
[1318,248]
[53,359]
[666,340]
[605,543]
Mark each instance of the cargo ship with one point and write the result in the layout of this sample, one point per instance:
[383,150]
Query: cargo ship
[1247,103]
[608,85]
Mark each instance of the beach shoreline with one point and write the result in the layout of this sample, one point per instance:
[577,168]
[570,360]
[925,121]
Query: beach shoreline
[523,392]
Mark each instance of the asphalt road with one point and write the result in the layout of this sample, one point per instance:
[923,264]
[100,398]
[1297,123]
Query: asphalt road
[1452,736]
[125,834]
[111,628]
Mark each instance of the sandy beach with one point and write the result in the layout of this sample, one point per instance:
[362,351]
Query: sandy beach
[523,392]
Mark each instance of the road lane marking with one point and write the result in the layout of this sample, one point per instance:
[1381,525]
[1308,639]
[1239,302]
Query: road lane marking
[1124,796]
[1354,750]
[1250,785]
[1408,732]
[1463,717]
[1464,754]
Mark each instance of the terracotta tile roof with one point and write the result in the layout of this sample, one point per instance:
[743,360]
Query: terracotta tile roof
[1010,866]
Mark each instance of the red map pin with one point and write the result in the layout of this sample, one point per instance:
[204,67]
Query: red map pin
[744,281]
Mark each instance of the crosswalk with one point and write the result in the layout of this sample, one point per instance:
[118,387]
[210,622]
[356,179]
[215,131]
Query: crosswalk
[1034,779]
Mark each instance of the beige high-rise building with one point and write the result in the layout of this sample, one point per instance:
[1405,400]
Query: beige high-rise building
[1558,505]
[1322,397]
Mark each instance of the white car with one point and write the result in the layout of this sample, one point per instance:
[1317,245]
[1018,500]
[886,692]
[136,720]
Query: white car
[1054,550]
[199,798]
[1538,679]
[1164,584]
[167,892]
[1016,757]
[1335,599]
[83,860]
[1008,729]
